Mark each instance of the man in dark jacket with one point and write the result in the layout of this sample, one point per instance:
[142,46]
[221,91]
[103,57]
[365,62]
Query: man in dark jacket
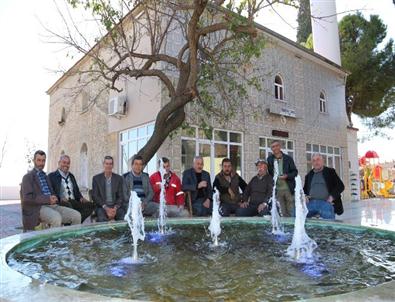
[67,191]
[107,193]
[285,186]
[198,183]
[323,189]
[257,193]
[229,183]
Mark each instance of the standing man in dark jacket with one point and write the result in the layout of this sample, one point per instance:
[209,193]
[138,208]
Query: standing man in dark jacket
[67,191]
[285,186]
[323,189]
[107,193]
[257,193]
[198,183]
[229,183]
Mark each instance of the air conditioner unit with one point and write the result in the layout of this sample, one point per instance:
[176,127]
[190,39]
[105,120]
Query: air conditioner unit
[117,106]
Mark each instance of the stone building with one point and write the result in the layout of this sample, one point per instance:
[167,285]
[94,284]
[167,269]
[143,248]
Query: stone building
[301,104]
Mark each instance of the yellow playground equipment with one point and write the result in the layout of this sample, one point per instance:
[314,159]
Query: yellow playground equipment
[372,182]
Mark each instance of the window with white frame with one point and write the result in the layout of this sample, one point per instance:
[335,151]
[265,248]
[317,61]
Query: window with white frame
[287,146]
[278,88]
[330,154]
[130,142]
[213,149]
[323,108]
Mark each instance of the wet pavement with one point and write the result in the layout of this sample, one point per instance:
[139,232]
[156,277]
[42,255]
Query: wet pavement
[377,213]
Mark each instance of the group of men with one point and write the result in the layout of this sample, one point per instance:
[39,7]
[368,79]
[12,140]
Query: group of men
[55,199]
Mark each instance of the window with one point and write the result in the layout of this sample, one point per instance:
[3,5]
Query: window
[62,119]
[84,166]
[131,141]
[330,154]
[278,88]
[323,108]
[287,146]
[223,143]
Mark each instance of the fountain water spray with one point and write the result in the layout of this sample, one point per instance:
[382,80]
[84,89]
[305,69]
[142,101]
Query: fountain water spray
[135,219]
[215,223]
[277,227]
[162,200]
[302,246]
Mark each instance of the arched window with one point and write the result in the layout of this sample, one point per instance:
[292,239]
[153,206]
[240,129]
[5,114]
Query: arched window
[62,119]
[278,88]
[84,166]
[323,108]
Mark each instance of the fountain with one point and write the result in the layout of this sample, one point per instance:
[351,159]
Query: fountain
[215,223]
[277,228]
[135,220]
[302,246]
[162,201]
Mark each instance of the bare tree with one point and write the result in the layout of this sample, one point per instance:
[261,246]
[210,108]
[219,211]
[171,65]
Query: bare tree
[30,149]
[200,50]
[3,150]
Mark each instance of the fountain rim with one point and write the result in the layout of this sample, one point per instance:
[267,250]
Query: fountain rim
[18,287]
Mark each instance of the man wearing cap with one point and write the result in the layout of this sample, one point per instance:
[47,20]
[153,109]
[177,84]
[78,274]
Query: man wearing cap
[257,193]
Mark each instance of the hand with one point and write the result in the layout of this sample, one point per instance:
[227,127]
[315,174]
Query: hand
[330,199]
[53,199]
[206,204]
[244,205]
[307,197]
[83,200]
[283,177]
[110,212]
[262,206]
[202,184]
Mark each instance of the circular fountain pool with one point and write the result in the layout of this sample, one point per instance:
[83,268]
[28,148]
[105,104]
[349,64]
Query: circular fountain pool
[249,265]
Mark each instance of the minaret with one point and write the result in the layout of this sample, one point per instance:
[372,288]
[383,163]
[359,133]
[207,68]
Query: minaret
[325,29]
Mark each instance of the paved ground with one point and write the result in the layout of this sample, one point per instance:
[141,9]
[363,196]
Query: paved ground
[379,213]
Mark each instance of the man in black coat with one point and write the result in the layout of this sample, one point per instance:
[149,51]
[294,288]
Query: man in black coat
[67,191]
[323,189]
[198,183]
[285,185]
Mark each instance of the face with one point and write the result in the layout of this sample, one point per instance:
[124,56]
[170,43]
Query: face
[318,162]
[276,148]
[108,165]
[262,168]
[198,165]
[137,166]
[166,166]
[39,161]
[227,168]
[64,164]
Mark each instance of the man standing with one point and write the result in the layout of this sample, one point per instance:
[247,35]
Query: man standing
[138,181]
[174,196]
[229,183]
[39,203]
[285,186]
[66,189]
[198,183]
[257,193]
[323,188]
[107,193]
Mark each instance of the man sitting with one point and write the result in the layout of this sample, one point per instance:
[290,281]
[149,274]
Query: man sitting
[323,189]
[138,181]
[67,191]
[229,184]
[257,193]
[39,203]
[174,196]
[107,193]
[198,183]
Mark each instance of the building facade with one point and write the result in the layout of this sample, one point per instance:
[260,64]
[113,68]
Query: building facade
[301,104]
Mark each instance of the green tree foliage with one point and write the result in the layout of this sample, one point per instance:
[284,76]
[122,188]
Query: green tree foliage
[304,21]
[371,85]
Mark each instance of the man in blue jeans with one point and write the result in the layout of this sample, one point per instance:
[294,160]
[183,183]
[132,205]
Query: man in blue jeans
[323,189]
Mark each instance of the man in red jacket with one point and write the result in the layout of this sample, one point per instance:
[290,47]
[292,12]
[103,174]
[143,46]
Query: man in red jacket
[175,199]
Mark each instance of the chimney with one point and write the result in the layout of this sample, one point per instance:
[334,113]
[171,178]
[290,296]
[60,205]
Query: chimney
[325,29]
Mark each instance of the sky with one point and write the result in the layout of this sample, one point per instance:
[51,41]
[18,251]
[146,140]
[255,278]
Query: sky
[27,63]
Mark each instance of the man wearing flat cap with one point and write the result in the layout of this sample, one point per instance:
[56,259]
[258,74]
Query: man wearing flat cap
[257,193]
